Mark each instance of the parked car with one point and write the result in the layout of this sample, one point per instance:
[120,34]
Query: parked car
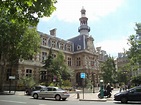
[51,92]
[133,94]
[28,91]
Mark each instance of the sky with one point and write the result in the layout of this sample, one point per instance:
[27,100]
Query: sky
[111,21]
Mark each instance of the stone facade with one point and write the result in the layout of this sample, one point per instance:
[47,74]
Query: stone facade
[80,55]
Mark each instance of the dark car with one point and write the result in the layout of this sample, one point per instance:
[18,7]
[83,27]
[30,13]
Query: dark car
[28,91]
[133,94]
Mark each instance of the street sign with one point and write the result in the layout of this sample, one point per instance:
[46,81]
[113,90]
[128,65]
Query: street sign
[11,77]
[82,75]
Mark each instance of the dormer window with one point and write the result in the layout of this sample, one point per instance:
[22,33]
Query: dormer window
[53,43]
[68,47]
[61,46]
[78,47]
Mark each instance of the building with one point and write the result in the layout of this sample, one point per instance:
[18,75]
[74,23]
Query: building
[80,55]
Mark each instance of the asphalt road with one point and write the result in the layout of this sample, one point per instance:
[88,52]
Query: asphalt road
[27,100]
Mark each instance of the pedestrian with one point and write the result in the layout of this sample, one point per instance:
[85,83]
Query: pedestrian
[108,89]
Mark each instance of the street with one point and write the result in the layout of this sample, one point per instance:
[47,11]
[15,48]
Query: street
[28,100]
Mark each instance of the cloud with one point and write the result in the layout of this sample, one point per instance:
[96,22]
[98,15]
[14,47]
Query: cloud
[69,10]
[114,46]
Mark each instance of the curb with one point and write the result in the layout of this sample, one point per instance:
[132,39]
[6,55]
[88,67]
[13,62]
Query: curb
[98,100]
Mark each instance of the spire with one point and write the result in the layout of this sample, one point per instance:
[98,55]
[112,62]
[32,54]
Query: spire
[84,28]
[83,12]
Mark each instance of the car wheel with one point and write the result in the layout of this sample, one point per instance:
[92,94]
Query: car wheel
[123,100]
[35,96]
[64,99]
[58,97]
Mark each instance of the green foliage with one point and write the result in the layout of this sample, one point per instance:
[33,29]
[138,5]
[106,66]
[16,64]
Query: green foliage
[108,70]
[136,80]
[88,83]
[134,52]
[26,10]
[57,68]
[27,82]
[49,61]
[48,65]
[61,69]
[120,75]
[17,41]
[17,38]
[67,83]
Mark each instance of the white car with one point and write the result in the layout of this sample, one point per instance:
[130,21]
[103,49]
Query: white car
[51,92]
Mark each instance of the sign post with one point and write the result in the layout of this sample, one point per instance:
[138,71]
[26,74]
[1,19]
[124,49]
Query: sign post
[10,78]
[83,76]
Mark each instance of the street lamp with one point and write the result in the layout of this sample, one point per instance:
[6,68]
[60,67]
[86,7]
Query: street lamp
[93,81]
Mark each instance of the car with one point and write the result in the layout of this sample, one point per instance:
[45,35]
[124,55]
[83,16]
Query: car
[51,92]
[133,94]
[28,91]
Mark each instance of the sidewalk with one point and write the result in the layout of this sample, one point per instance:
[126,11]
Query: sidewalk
[91,96]
[78,95]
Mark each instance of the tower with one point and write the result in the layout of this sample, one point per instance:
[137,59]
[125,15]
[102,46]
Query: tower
[84,28]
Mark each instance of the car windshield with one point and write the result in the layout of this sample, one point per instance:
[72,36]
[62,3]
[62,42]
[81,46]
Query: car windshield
[134,89]
[59,89]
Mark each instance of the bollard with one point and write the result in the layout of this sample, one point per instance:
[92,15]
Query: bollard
[77,95]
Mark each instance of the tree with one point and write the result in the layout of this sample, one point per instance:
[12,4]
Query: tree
[27,82]
[28,11]
[56,68]
[136,80]
[134,52]
[108,70]
[48,65]
[17,40]
[61,70]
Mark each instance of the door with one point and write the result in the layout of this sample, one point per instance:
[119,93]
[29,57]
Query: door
[135,94]
[50,92]
[43,93]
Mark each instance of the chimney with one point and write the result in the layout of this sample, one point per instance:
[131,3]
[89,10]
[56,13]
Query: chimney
[53,32]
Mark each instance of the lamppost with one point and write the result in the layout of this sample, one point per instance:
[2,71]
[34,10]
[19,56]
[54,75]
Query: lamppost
[93,81]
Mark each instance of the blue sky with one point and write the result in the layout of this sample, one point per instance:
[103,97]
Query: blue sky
[111,21]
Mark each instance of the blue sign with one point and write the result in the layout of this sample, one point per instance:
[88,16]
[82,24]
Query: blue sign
[82,75]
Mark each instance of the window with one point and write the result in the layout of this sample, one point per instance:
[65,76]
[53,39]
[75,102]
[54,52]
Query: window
[43,75]
[78,61]
[92,63]
[28,72]
[138,90]
[61,46]
[54,89]
[53,44]
[69,61]
[78,47]
[68,47]
[49,89]
[44,42]
[44,56]
[53,55]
